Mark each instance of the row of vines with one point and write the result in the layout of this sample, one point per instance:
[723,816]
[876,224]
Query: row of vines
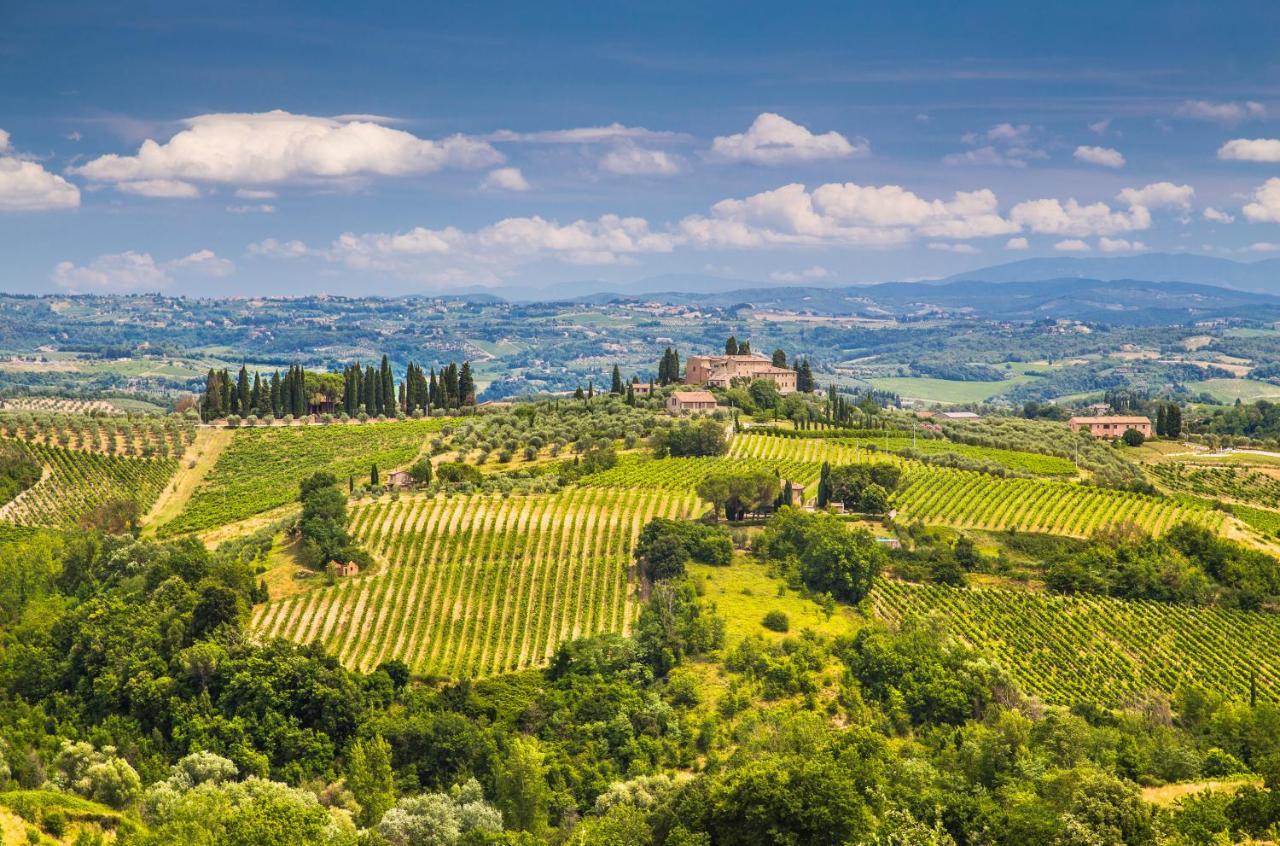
[471,586]
[76,482]
[261,468]
[974,500]
[1097,649]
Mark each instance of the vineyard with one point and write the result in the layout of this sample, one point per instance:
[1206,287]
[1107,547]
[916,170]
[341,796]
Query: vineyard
[261,468]
[856,450]
[76,482]
[117,435]
[805,450]
[973,500]
[684,474]
[477,585]
[1097,649]
[1239,483]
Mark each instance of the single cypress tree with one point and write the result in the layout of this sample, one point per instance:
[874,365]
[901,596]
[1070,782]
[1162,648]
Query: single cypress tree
[373,475]
[242,391]
[451,396]
[275,394]
[433,390]
[388,406]
[631,395]
[731,346]
[616,387]
[779,358]
[1161,417]
[591,389]
[824,485]
[466,385]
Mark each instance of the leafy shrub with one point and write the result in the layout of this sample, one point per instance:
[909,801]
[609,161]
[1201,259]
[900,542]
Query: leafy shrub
[776,621]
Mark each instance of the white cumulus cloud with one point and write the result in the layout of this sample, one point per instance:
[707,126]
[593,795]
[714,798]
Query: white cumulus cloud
[27,186]
[1265,207]
[1251,150]
[453,256]
[1003,145]
[1072,245]
[1017,244]
[1104,156]
[133,271]
[1263,247]
[278,147]
[165,188]
[1120,245]
[845,215]
[943,246]
[773,140]
[1054,217]
[629,160]
[1158,195]
[1217,215]
[505,179]
[1221,112]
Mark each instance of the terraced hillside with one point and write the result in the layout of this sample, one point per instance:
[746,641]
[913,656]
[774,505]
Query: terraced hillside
[261,468]
[477,585]
[1097,649]
[75,482]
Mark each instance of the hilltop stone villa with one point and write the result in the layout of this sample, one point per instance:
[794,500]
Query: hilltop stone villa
[718,371]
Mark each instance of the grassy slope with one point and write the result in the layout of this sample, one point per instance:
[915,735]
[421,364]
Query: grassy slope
[194,466]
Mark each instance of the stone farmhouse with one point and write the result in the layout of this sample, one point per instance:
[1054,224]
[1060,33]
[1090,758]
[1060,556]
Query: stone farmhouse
[691,402]
[1110,427]
[719,371]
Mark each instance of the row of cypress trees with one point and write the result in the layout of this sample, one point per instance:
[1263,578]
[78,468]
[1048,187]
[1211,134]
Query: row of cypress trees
[275,396]
[365,389]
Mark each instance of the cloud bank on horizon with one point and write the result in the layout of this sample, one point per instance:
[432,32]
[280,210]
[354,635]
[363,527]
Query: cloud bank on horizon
[432,172]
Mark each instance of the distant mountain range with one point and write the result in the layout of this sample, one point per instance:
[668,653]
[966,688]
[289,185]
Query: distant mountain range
[1150,289]
[1262,276]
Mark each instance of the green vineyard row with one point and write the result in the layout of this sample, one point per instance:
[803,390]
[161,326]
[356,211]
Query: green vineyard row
[75,482]
[974,500]
[476,585]
[684,474]
[1096,649]
[261,468]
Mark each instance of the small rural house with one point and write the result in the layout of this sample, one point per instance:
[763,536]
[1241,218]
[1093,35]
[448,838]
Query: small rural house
[399,479]
[343,571]
[691,402]
[797,493]
[1110,427]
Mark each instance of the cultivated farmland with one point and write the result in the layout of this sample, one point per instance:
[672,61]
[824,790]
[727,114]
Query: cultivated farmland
[75,482]
[478,585]
[977,501]
[1098,649]
[261,468]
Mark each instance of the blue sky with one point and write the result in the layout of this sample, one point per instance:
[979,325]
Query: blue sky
[400,147]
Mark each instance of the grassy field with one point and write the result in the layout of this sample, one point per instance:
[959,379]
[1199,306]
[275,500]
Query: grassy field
[945,391]
[1230,390]
[744,592]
